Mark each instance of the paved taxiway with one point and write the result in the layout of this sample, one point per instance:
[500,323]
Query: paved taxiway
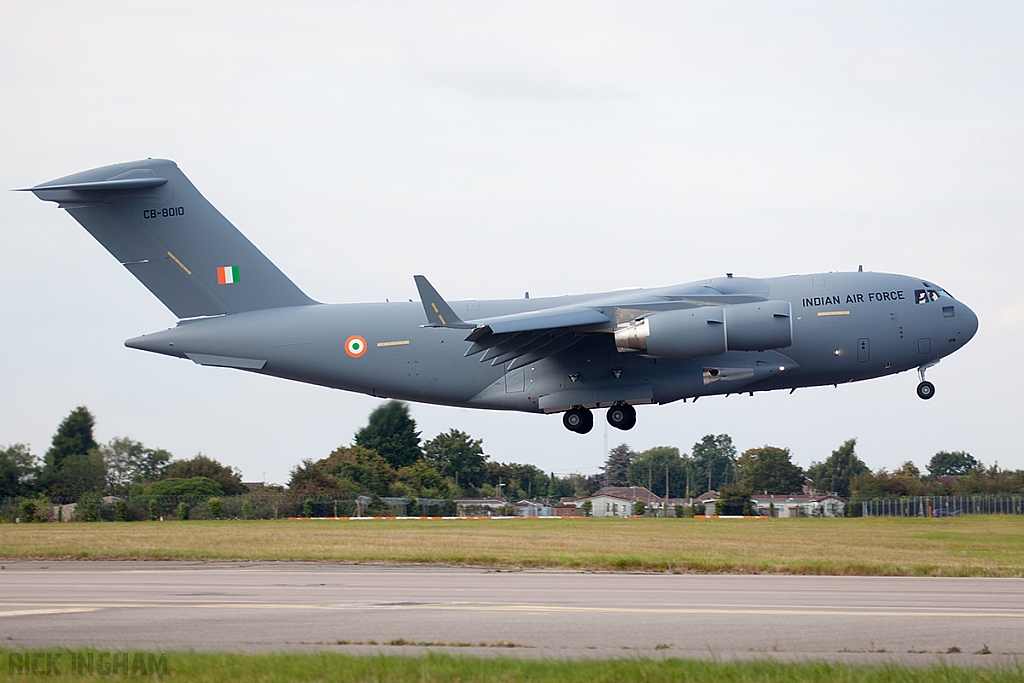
[288,606]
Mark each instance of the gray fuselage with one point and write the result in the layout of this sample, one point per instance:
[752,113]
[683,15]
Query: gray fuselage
[845,327]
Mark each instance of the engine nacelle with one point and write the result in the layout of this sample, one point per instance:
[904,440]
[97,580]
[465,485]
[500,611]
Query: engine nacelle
[709,330]
[686,333]
[759,326]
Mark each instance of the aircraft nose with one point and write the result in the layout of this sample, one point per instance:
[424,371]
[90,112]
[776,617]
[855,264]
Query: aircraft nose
[969,322]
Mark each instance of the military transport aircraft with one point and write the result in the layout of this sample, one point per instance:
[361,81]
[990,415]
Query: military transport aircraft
[568,354]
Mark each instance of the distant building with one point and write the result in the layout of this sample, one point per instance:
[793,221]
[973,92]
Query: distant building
[802,505]
[619,501]
[480,507]
[533,508]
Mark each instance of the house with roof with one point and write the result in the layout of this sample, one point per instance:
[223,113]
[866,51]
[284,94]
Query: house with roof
[801,505]
[480,507]
[620,501]
[533,508]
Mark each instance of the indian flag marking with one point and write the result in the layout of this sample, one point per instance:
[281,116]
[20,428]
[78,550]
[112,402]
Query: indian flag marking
[227,275]
[355,346]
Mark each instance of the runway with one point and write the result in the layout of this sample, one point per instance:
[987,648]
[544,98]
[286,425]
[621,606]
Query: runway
[262,606]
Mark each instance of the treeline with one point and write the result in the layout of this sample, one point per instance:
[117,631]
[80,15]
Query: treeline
[713,464]
[387,458]
[77,467]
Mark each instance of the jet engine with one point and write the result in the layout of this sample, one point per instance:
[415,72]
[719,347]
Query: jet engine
[709,330]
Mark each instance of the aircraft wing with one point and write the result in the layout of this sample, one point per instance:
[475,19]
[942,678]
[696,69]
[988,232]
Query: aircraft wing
[524,338]
[521,338]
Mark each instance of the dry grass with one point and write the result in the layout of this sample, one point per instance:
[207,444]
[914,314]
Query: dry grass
[966,546]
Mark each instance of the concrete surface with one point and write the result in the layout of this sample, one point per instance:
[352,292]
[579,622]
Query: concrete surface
[265,606]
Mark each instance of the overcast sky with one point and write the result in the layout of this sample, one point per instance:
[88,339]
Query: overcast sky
[505,147]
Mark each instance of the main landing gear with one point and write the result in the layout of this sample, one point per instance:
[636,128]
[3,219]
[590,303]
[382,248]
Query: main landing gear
[622,416]
[581,420]
[578,419]
[925,389]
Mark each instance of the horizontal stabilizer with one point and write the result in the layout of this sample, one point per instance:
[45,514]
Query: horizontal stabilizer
[123,185]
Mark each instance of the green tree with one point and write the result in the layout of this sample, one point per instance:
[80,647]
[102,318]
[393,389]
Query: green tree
[229,478]
[588,508]
[454,454]
[29,510]
[639,508]
[649,469]
[423,480]
[360,470]
[837,472]
[712,462]
[957,463]
[73,465]
[128,462]
[734,499]
[74,437]
[19,471]
[770,469]
[193,488]
[616,468]
[908,469]
[216,507]
[309,477]
[391,432]
[78,474]
[349,470]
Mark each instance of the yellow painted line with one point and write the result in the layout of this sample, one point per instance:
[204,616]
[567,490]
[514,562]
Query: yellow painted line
[822,314]
[175,258]
[31,612]
[442,319]
[394,343]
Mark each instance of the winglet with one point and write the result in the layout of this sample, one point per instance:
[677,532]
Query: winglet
[439,313]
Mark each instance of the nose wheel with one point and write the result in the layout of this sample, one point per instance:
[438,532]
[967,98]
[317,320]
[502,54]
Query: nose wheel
[622,416]
[925,390]
[578,419]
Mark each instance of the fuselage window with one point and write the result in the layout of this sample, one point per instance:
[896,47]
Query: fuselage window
[948,312]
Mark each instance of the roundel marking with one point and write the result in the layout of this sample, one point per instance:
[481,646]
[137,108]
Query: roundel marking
[355,346]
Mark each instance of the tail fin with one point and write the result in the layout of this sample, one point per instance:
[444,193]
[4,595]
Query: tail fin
[155,222]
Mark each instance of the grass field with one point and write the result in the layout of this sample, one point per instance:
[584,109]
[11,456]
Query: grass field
[964,546]
[445,668]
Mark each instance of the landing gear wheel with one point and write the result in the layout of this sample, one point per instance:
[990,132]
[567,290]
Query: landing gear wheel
[622,416]
[925,390]
[578,419]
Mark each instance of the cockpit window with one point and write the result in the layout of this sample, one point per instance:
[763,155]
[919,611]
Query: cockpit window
[923,296]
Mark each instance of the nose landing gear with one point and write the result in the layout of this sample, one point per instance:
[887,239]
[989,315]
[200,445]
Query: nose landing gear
[925,390]
[622,416]
[578,419]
